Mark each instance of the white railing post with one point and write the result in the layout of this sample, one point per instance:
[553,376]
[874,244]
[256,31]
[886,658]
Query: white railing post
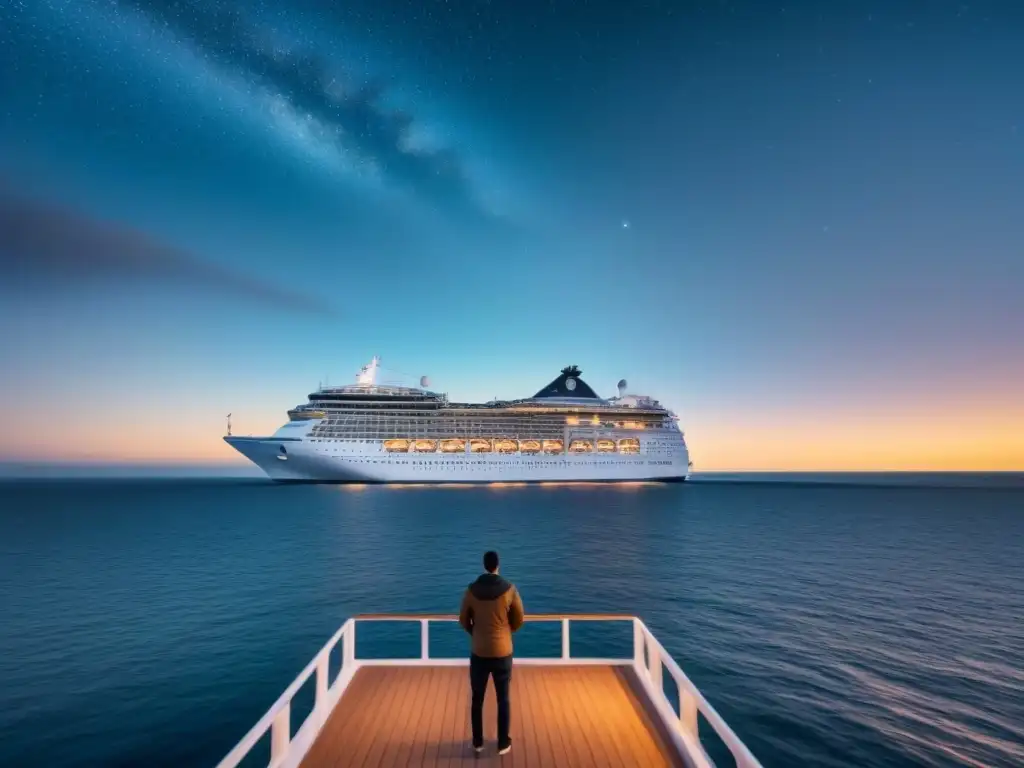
[349,650]
[321,681]
[688,711]
[654,665]
[424,638]
[280,734]
[565,638]
[638,643]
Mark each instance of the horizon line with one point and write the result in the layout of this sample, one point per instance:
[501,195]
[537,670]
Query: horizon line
[233,468]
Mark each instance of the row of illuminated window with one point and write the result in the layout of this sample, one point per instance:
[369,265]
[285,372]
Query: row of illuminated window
[505,445]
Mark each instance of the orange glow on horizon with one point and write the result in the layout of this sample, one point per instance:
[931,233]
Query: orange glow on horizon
[924,436]
[885,443]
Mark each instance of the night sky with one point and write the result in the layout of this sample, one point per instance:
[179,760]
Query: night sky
[799,224]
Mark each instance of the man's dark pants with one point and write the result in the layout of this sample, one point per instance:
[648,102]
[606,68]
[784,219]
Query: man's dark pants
[480,669]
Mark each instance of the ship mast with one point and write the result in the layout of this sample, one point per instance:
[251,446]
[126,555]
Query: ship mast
[367,375]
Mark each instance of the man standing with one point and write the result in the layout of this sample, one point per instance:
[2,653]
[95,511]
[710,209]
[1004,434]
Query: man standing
[491,611]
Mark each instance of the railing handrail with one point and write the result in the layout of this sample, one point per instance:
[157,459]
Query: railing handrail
[234,757]
[740,752]
[528,617]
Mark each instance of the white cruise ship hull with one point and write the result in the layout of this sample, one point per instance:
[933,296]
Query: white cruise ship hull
[303,460]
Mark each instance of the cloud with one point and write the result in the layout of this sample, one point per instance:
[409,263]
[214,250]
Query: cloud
[47,246]
[311,103]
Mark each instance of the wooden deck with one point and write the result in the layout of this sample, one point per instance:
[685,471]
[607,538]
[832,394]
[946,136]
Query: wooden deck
[575,715]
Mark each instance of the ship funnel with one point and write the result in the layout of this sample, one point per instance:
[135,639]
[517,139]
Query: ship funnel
[424,382]
[622,387]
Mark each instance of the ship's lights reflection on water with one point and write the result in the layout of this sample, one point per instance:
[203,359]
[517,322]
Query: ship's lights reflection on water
[597,484]
[624,484]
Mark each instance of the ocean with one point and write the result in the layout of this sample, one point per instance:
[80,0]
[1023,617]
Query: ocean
[833,621]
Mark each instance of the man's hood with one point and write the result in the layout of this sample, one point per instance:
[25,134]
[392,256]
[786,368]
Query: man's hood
[490,586]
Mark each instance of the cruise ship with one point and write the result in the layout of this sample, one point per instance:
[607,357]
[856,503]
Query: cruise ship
[369,432]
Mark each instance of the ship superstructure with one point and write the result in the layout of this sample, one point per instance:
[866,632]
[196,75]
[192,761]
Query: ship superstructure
[377,433]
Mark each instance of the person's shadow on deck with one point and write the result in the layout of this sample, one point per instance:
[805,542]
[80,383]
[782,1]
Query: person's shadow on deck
[463,750]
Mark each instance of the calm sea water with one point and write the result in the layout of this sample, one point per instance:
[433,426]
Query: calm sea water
[153,622]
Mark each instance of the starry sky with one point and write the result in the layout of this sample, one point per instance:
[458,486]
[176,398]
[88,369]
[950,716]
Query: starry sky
[798,224]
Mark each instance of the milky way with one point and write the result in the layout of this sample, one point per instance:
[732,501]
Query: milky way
[344,121]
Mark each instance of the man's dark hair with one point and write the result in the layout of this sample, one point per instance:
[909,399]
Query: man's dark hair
[490,561]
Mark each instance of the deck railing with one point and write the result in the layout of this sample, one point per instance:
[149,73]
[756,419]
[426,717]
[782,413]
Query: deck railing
[649,660]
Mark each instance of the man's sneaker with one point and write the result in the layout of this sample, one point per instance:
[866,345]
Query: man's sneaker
[505,749]
[478,750]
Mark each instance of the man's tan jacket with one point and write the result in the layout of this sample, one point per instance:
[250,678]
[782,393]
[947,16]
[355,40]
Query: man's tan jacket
[491,611]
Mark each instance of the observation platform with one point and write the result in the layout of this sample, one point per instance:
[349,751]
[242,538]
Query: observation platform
[566,711]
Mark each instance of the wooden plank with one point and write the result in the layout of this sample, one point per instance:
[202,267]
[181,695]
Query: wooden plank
[456,713]
[430,755]
[586,709]
[530,736]
[550,712]
[561,715]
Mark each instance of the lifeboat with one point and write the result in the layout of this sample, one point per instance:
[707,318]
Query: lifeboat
[396,446]
[629,445]
[552,446]
[479,445]
[453,446]
[581,446]
[530,446]
[506,446]
[606,446]
[425,446]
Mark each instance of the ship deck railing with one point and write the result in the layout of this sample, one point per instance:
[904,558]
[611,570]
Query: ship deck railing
[359,717]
